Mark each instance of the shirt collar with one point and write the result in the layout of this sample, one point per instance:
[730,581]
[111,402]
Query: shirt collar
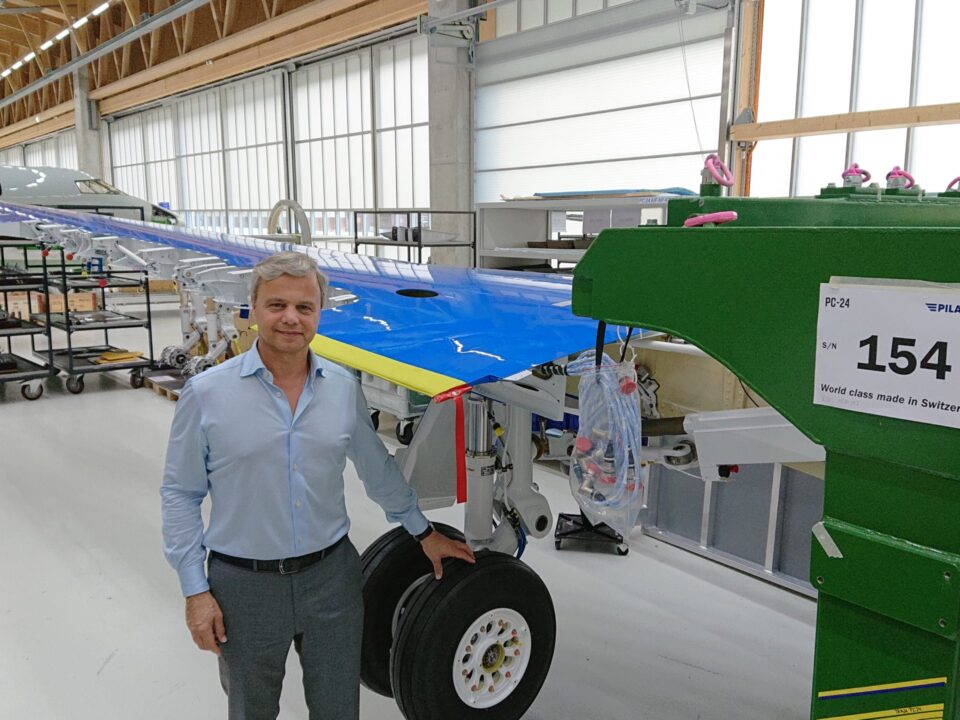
[252,363]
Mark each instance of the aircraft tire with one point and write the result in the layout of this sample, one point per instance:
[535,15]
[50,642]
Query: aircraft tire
[390,565]
[483,626]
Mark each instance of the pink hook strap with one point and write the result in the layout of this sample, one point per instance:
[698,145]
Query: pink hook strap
[953,182]
[855,169]
[717,218]
[720,172]
[897,172]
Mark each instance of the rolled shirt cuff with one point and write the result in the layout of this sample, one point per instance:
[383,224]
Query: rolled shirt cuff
[416,522]
[193,580]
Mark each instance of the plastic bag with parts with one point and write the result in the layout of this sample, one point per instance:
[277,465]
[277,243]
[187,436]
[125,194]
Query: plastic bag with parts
[606,475]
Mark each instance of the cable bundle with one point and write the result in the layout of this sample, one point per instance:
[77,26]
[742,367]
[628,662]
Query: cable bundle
[606,476]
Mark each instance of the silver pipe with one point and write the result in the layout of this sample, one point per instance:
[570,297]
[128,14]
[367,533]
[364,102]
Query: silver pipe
[854,76]
[798,104]
[914,71]
[464,14]
[478,441]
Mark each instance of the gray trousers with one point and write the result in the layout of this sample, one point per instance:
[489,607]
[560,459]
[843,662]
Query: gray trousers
[319,610]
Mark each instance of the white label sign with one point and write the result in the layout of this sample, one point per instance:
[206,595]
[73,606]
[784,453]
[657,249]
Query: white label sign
[891,350]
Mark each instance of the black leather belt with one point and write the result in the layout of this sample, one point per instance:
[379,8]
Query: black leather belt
[284,566]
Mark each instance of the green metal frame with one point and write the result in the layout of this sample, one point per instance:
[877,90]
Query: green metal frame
[748,294]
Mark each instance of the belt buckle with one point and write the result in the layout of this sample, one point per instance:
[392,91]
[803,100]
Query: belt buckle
[294,569]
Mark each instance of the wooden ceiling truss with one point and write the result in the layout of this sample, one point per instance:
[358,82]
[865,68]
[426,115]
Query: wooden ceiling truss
[219,40]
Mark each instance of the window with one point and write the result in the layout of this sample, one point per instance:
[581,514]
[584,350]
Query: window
[96,187]
[854,63]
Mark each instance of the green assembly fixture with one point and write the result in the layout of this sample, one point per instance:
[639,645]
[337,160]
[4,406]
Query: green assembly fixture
[887,561]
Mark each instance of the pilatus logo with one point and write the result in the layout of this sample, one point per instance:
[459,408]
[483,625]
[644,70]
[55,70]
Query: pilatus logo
[943,308]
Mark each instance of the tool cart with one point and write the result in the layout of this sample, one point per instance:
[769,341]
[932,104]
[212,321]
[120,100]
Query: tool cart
[89,282]
[21,281]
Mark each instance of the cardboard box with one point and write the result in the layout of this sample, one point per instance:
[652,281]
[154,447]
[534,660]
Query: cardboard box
[76,301]
[17,304]
[247,330]
[157,287]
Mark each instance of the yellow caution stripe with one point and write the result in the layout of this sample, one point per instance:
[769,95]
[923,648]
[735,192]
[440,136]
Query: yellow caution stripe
[916,712]
[886,688]
[399,373]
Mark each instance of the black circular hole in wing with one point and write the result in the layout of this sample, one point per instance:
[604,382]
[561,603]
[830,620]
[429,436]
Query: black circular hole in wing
[417,293]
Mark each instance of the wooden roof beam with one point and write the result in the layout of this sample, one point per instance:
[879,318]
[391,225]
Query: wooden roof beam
[50,9]
[848,122]
[280,27]
[356,22]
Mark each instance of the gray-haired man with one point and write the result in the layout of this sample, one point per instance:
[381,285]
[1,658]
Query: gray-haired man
[267,434]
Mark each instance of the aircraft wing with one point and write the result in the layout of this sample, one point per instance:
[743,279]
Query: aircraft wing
[429,328]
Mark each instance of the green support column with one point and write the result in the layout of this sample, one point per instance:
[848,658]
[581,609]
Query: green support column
[889,608]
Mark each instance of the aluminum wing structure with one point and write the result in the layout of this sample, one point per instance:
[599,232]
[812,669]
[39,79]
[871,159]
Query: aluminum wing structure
[425,327]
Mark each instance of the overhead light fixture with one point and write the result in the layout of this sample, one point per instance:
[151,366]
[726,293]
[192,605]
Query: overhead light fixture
[63,33]
[80,23]
[100,8]
[29,56]
[47,45]
[17,65]
[6,72]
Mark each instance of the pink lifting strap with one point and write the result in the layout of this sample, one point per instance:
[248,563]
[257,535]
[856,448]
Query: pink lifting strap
[855,169]
[720,172]
[897,172]
[717,218]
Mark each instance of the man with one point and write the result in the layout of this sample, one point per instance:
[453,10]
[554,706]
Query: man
[267,434]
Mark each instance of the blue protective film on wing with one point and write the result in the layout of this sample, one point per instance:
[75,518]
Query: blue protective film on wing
[474,325]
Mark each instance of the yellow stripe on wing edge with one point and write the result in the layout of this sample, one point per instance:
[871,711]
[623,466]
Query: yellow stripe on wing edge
[921,712]
[409,376]
[887,686]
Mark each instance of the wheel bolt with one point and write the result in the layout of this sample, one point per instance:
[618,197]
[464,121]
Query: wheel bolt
[516,652]
[507,674]
[473,688]
[492,688]
[513,632]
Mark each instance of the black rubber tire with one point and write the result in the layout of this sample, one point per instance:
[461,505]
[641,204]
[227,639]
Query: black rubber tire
[74,384]
[391,564]
[136,379]
[28,394]
[439,612]
[375,419]
[404,432]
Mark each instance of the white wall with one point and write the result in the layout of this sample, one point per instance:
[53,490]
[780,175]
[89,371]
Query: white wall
[626,96]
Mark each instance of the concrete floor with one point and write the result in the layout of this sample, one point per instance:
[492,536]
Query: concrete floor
[91,619]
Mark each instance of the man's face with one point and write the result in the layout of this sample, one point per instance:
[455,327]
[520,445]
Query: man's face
[287,310]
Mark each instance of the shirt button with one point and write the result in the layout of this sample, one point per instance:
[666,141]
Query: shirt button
[294,468]
[278,393]
[299,540]
[298,503]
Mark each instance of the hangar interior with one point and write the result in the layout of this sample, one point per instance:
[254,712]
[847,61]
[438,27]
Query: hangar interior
[715,176]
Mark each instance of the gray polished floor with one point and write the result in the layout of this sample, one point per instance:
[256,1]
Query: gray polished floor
[91,621]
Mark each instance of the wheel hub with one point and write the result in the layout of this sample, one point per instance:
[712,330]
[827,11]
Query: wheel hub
[491,658]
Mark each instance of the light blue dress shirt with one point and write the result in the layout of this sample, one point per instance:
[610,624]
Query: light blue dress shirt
[275,478]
